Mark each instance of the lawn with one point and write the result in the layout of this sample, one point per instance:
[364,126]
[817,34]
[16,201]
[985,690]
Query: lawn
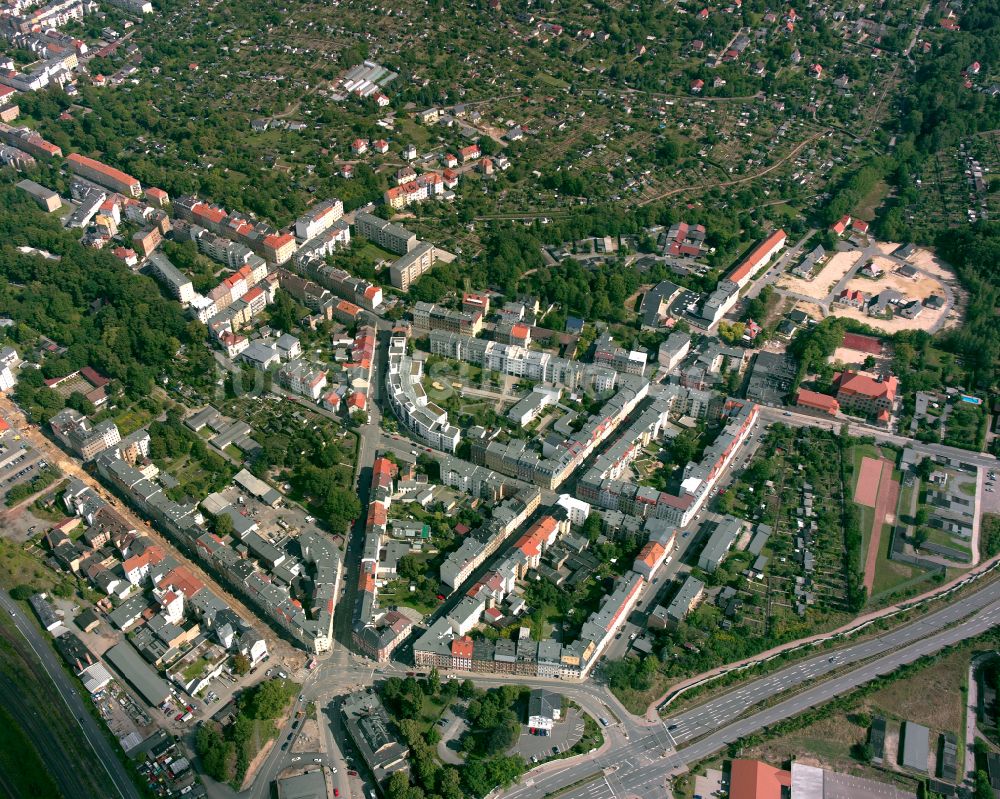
[554,82]
[867,206]
[890,575]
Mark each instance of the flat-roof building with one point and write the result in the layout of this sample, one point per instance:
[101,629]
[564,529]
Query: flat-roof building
[151,687]
[46,198]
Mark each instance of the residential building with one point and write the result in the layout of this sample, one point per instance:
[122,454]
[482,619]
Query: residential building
[759,257]
[318,219]
[410,402]
[691,592]
[74,430]
[177,283]
[409,267]
[303,378]
[719,543]
[373,735]
[674,350]
[278,248]
[104,175]
[387,235]
[427,316]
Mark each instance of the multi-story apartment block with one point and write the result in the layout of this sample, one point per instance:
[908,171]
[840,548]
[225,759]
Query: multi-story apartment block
[387,235]
[409,267]
[427,316]
[72,429]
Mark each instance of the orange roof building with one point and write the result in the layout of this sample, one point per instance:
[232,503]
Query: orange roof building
[104,175]
[815,401]
[760,257]
[751,779]
[867,394]
[650,559]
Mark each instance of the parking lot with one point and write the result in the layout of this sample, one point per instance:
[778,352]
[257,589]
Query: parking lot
[565,734]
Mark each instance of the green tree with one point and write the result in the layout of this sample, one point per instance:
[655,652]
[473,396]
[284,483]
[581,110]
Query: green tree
[983,789]
[241,664]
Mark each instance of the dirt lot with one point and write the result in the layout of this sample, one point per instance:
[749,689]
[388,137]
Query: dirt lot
[917,288]
[855,359]
[925,321]
[810,308]
[930,263]
[825,279]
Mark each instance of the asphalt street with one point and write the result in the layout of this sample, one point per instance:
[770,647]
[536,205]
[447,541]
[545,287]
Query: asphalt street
[89,728]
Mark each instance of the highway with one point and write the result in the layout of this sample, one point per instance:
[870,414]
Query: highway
[89,727]
[641,767]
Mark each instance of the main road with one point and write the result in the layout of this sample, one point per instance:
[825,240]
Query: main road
[641,767]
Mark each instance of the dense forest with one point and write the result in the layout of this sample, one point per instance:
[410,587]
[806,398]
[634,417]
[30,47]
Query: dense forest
[84,300]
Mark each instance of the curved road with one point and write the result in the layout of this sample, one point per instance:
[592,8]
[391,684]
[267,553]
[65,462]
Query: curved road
[89,728]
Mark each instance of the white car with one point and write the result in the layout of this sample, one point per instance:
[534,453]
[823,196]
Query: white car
[317,760]
[296,759]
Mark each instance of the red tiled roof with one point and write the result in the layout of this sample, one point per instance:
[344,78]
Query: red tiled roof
[751,262]
[531,542]
[91,375]
[277,240]
[253,294]
[855,384]
[462,647]
[357,400]
[751,779]
[104,169]
[652,553]
[206,211]
[817,401]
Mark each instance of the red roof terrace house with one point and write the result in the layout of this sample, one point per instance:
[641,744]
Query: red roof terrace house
[104,175]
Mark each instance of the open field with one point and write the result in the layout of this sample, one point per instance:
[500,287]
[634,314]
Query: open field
[827,277]
[855,359]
